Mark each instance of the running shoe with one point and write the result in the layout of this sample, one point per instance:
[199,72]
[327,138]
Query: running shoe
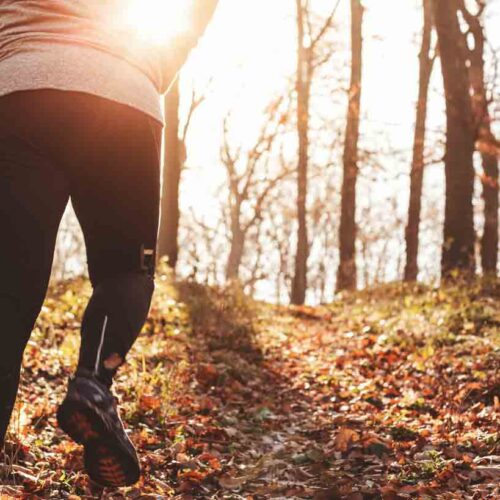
[89,415]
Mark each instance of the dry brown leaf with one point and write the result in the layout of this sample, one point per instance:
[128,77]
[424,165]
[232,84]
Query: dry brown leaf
[345,438]
[231,483]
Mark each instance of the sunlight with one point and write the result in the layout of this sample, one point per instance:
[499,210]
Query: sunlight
[157,21]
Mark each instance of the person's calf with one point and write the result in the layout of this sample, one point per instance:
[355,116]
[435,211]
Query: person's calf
[9,383]
[18,312]
[112,322]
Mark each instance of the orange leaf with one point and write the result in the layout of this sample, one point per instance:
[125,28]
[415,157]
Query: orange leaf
[150,402]
[345,438]
[192,475]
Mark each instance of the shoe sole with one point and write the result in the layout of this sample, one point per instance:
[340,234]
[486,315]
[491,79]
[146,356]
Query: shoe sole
[106,461]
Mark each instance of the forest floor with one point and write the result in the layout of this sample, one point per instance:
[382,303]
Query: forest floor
[391,393]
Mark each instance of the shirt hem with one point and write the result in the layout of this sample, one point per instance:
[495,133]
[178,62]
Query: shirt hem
[81,69]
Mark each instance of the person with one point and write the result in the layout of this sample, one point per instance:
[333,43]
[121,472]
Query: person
[81,119]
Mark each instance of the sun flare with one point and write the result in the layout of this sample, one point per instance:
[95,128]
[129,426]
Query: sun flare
[157,21]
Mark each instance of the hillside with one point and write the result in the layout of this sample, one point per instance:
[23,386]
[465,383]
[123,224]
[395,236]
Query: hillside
[390,393]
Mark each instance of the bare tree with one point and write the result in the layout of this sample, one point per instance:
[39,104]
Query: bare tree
[324,235]
[346,275]
[303,96]
[309,59]
[280,234]
[203,243]
[484,136]
[459,234]
[251,179]
[173,57]
[175,136]
[426,63]
[69,255]
[172,165]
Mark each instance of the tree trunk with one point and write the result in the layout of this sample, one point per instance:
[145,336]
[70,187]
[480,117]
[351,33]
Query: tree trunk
[346,275]
[489,240]
[299,285]
[484,135]
[237,247]
[417,166]
[458,242]
[170,213]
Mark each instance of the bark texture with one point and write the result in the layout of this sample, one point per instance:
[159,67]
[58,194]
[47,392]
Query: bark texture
[486,142]
[459,235]
[346,274]
[173,160]
[237,247]
[304,74]
[426,63]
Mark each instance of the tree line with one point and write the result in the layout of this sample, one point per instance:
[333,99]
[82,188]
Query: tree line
[453,33]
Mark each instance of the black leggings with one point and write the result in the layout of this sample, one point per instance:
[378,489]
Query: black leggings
[105,156]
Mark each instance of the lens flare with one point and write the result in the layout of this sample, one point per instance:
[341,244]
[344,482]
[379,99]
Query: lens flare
[157,21]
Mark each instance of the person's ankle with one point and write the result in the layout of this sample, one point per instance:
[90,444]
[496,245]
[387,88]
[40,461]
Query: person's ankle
[103,378]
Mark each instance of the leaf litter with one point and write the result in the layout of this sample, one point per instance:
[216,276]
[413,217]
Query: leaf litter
[390,393]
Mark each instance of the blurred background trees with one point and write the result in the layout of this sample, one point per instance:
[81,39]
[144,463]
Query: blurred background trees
[174,158]
[289,165]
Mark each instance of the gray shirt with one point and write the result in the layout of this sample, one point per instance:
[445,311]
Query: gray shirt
[81,45]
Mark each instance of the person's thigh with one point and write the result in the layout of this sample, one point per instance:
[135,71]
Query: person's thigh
[33,197]
[116,189]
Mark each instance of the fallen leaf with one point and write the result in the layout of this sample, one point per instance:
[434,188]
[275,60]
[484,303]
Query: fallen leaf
[231,483]
[345,438]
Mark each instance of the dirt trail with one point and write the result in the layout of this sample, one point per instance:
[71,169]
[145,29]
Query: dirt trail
[388,394]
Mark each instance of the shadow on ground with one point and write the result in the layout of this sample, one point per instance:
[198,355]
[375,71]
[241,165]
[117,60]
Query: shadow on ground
[390,393]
